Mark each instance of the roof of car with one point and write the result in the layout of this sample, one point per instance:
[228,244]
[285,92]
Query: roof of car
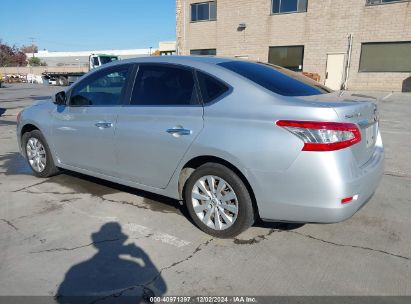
[177,59]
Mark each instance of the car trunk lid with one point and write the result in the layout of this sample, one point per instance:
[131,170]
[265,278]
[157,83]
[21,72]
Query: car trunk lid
[358,109]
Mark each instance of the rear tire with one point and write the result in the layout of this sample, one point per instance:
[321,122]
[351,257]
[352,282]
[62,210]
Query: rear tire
[38,154]
[223,210]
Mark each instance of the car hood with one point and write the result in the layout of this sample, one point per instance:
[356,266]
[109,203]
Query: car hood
[42,102]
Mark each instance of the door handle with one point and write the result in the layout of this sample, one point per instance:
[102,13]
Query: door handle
[179,131]
[103,124]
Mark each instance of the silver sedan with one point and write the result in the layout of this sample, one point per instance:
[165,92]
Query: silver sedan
[235,140]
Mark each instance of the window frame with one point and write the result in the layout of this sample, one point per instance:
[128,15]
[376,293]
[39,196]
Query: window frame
[385,3]
[288,46]
[384,42]
[95,75]
[203,50]
[290,12]
[218,98]
[209,11]
[166,64]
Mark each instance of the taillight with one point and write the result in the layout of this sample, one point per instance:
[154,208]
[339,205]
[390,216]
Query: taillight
[323,136]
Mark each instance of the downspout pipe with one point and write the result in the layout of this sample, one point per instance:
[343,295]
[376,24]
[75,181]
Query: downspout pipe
[348,63]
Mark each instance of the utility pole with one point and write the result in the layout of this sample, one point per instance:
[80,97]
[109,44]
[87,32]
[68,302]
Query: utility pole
[33,40]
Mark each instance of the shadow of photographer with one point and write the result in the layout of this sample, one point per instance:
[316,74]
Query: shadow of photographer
[115,270]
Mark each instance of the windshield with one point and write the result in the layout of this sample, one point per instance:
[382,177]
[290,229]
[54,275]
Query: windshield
[276,79]
[107,59]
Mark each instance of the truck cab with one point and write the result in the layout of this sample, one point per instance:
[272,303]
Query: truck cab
[96,60]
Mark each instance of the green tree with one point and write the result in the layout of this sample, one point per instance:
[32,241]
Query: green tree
[34,61]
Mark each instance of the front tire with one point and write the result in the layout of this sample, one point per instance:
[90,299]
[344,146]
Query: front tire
[218,201]
[38,154]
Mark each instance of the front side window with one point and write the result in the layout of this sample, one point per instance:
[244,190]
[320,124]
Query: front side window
[210,87]
[205,52]
[289,6]
[290,57]
[205,11]
[373,2]
[161,85]
[101,89]
[386,57]
[276,79]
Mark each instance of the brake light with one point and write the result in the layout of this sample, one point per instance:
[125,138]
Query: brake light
[323,136]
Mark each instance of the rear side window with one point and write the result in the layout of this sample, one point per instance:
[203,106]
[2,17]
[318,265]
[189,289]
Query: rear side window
[276,79]
[211,88]
[165,86]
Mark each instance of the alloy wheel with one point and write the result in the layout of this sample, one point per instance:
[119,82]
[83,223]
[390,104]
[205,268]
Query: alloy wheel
[36,154]
[215,202]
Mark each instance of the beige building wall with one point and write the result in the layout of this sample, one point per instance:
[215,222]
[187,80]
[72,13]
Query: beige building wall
[323,29]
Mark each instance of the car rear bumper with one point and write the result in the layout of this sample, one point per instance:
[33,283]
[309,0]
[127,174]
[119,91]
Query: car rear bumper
[312,188]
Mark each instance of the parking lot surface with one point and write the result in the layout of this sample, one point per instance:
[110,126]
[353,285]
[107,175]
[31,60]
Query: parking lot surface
[73,233]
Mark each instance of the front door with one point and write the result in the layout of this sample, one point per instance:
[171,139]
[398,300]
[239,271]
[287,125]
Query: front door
[158,126]
[83,130]
[335,71]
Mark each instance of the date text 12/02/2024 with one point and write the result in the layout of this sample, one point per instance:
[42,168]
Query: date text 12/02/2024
[203,299]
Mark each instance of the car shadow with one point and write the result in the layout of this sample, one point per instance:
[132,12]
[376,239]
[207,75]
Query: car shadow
[7,123]
[118,272]
[15,164]
[12,163]
[278,225]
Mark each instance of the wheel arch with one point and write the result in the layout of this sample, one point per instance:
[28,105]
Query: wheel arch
[198,161]
[28,128]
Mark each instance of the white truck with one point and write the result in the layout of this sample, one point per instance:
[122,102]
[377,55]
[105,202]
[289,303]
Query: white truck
[65,78]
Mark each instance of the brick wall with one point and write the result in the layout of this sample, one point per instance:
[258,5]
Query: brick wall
[323,29]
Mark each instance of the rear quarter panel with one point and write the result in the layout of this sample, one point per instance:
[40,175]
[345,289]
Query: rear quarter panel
[241,129]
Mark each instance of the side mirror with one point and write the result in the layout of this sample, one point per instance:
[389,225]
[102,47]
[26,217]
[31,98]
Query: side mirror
[60,98]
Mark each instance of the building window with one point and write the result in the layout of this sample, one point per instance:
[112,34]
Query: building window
[374,2]
[205,11]
[290,57]
[288,6]
[209,52]
[386,57]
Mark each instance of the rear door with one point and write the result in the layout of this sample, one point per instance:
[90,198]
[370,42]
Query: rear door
[83,131]
[160,123]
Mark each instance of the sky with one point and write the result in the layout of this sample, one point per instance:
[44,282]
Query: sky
[80,25]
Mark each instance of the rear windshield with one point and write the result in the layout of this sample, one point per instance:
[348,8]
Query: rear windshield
[276,79]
